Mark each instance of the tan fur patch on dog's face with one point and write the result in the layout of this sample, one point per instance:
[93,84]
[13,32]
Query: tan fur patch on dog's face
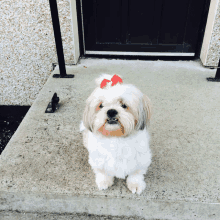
[117,133]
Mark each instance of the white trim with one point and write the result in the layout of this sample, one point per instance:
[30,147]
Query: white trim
[75,31]
[138,53]
[205,50]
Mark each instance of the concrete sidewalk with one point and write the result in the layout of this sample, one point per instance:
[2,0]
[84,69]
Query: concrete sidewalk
[44,168]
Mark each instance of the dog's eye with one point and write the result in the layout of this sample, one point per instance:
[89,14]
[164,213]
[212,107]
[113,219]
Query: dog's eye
[101,106]
[124,106]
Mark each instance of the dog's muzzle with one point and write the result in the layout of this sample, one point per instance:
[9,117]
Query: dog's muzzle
[112,121]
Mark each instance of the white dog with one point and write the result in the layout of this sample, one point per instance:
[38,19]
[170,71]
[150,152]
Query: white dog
[115,133]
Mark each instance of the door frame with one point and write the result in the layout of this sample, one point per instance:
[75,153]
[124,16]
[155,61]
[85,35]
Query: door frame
[81,43]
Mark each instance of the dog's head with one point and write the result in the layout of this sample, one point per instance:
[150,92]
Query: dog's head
[115,108]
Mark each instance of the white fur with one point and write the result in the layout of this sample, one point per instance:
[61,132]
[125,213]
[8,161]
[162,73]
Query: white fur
[82,127]
[118,156]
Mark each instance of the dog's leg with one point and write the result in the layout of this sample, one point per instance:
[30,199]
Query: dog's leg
[103,181]
[135,181]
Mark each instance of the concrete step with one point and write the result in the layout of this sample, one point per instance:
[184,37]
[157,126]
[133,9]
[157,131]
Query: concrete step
[45,169]
[17,215]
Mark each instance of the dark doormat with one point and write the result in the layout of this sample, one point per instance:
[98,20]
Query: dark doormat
[10,118]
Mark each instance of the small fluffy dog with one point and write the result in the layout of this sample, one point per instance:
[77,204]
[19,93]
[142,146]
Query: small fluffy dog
[115,133]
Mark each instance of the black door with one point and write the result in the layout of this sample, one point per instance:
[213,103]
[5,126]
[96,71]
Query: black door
[149,26]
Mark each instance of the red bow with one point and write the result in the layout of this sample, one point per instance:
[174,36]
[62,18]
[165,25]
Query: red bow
[115,79]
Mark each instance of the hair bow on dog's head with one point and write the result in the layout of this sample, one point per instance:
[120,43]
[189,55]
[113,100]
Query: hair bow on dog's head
[115,79]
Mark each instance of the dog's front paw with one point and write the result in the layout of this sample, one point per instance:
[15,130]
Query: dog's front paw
[103,181]
[136,183]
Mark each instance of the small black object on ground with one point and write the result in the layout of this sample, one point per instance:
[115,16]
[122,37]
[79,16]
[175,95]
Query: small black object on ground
[10,119]
[53,105]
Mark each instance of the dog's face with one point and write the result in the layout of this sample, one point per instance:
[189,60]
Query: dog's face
[116,111]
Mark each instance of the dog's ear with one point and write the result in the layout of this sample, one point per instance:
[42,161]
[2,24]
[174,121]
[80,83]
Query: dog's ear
[147,108]
[145,112]
[86,116]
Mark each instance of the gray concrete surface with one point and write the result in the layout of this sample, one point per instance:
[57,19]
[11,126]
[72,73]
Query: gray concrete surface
[44,168]
[16,215]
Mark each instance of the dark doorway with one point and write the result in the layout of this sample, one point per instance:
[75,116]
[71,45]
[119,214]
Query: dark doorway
[154,27]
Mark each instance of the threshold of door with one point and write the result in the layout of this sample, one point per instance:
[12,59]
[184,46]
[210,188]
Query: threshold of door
[138,53]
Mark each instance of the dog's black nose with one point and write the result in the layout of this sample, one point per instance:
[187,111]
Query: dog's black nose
[112,113]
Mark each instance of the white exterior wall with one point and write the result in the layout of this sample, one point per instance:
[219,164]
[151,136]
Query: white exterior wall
[27,47]
[210,52]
